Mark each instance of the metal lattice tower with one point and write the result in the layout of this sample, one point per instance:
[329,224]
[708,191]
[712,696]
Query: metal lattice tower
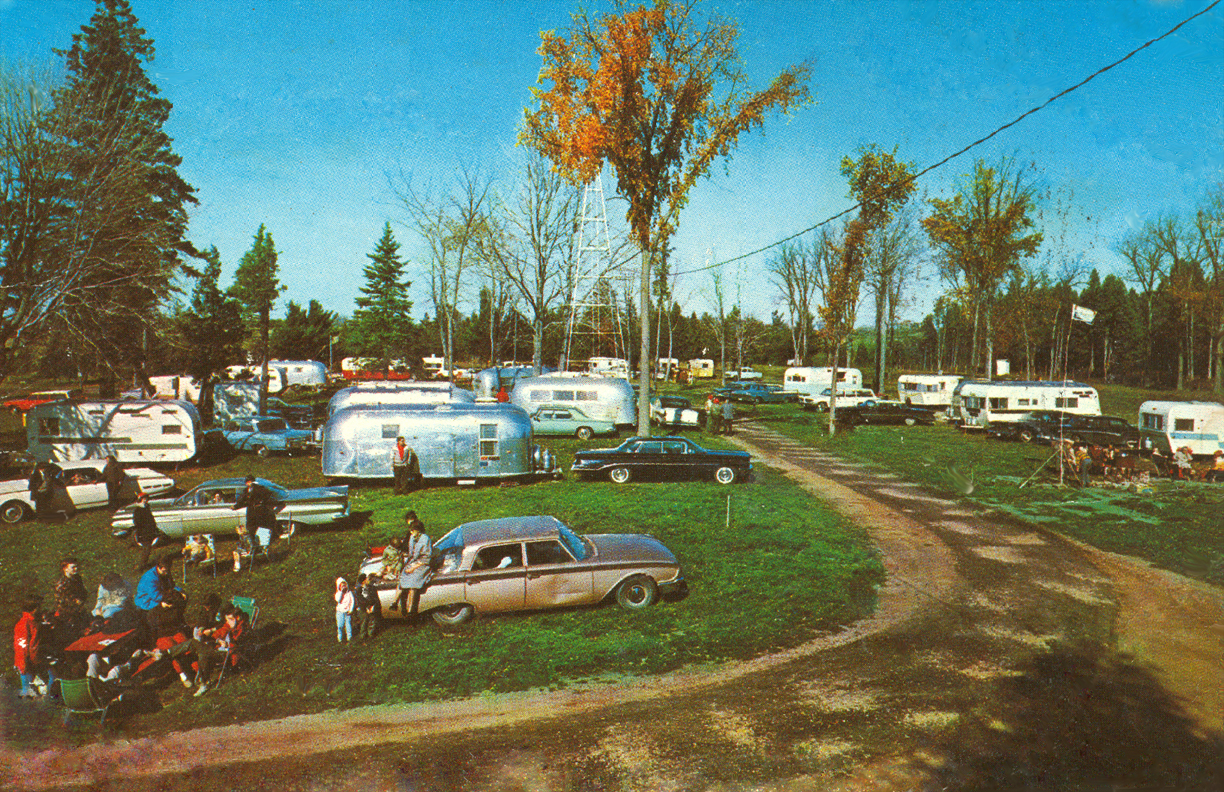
[595,326]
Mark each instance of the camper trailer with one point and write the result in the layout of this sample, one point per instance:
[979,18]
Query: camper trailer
[174,386]
[813,381]
[453,441]
[701,368]
[976,403]
[666,368]
[486,383]
[303,373]
[276,377]
[355,368]
[1167,426]
[608,367]
[236,400]
[927,390]
[403,392]
[601,398]
[134,431]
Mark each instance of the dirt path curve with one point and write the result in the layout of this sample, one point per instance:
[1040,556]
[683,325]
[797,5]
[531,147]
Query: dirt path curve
[994,654]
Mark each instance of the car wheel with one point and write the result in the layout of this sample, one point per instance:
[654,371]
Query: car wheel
[637,592]
[869,403]
[454,615]
[584,433]
[1025,435]
[822,407]
[724,475]
[619,475]
[262,451]
[13,512]
[911,421]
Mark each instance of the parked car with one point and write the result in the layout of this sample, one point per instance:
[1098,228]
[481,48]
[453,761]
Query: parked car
[23,403]
[756,393]
[209,508]
[746,374]
[1035,426]
[85,487]
[1102,430]
[884,412]
[850,397]
[661,458]
[675,411]
[531,563]
[569,421]
[266,434]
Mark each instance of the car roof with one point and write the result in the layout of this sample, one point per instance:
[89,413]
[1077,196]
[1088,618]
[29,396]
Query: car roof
[510,529]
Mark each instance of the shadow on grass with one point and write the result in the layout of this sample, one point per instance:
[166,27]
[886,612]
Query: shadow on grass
[1085,719]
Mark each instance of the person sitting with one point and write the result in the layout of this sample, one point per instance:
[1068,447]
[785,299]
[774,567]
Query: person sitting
[1216,472]
[392,560]
[214,644]
[248,546]
[1183,459]
[158,598]
[114,595]
[197,549]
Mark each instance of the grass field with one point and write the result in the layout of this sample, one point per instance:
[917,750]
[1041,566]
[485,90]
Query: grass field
[784,569]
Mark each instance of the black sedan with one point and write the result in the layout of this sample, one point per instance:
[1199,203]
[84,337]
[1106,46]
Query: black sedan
[1039,425]
[1102,430]
[884,412]
[661,458]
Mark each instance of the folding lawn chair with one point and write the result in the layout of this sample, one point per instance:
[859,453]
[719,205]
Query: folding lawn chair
[212,561]
[84,697]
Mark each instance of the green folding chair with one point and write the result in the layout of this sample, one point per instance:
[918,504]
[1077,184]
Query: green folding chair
[248,606]
[85,697]
[212,545]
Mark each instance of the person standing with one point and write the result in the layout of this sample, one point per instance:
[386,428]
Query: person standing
[26,652]
[502,396]
[368,606]
[404,466]
[144,531]
[418,552]
[114,477]
[714,413]
[345,604]
[45,485]
[728,416]
[260,507]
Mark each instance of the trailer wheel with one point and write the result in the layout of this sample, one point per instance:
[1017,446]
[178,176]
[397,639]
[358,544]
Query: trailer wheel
[584,433]
[619,475]
[13,512]
[910,421]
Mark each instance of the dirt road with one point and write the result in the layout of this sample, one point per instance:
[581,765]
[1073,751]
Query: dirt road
[1000,658]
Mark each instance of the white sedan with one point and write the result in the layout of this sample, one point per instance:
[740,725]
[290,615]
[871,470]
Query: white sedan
[85,485]
[845,398]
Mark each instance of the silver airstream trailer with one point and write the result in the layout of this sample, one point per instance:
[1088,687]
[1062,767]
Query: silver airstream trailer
[606,398]
[398,392]
[453,441]
[485,384]
[304,373]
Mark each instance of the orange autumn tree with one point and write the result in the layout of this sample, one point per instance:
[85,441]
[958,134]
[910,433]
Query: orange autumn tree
[659,94]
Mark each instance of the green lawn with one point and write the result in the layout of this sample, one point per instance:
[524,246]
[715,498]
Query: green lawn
[1173,524]
[783,569]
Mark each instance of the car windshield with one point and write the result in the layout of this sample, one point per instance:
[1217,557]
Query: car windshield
[578,546]
[273,425]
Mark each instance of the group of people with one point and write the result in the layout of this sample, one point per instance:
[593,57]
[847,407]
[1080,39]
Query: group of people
[1181,466]
[720,415]
[405,560]
[125,633]
[1110,462]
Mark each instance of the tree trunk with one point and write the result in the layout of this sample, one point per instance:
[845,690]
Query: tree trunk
[643,427]
[833,392]
[537,345]
[265,320]
[1219,360]
[989,343]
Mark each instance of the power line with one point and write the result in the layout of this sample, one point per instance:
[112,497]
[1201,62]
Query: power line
[967,148]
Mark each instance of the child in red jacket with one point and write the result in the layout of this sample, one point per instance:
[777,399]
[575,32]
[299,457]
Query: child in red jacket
[26,655]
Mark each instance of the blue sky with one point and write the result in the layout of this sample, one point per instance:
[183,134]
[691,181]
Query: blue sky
[298,114]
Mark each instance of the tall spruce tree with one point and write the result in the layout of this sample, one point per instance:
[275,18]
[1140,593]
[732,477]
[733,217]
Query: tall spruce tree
[256,287]
[382,324]
[124,204]
[211,328]
[303,334]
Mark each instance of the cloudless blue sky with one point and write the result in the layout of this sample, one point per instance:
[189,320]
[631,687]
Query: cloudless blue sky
[301,115]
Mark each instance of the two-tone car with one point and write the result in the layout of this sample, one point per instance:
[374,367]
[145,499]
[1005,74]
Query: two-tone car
[569,421]
[266,434]
[86,488]
[756,393]
[209,508]
[849,397]
[661,458]
[532,563]
[675,412]
[884,413]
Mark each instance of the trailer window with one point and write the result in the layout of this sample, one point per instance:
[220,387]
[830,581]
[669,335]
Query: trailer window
[1153,422]
[998,404]
[390,431]
[488,441]
[1066,403]
[588,396]
[172,429]
[1183,424]
[48,426]
[563,395]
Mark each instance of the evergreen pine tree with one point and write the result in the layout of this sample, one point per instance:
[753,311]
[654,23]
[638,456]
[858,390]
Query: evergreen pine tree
[382,324]
[211,328]
[256,287]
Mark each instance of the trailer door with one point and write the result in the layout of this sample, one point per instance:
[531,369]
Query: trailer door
[466,454]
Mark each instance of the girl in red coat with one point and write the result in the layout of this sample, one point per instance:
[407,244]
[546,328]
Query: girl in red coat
[25,646]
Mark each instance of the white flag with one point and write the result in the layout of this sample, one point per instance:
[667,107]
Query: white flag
[1081,314]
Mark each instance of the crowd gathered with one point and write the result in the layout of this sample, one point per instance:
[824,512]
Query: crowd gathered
[1114,465]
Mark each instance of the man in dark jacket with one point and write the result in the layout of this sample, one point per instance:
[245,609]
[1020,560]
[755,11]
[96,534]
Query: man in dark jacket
[260,507]
[145,531]
[114,477]
[368,607]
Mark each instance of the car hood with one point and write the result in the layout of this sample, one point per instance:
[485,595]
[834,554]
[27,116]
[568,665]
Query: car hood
[630,547]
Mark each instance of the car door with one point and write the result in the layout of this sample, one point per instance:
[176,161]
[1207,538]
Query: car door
[554,578]
[85,486]
[647,459]
[210,510]
[497,580]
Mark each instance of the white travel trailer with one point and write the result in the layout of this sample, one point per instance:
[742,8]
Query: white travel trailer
[1168,425]
[452,441]
[153,430]
[398,392]
[813,380]
[276,377]
[701,368]
[601,398]
[305,373]
[666,368]
[486,383]
[977,403]
[174,386]
[927,390]
[608,367]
